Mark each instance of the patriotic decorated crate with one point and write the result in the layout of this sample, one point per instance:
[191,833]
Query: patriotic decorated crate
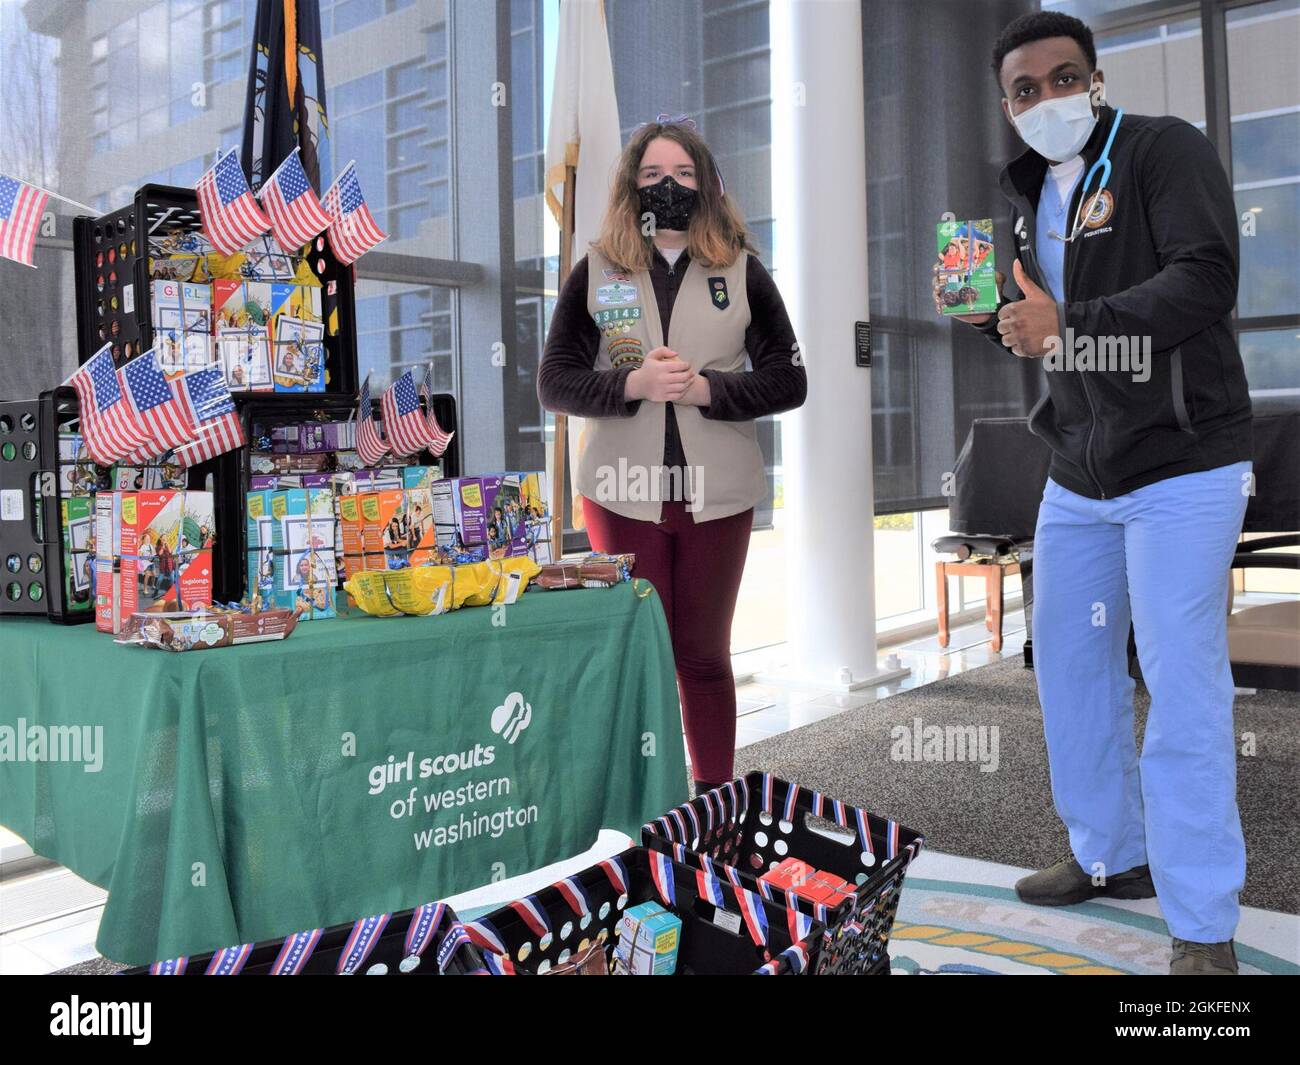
[726,930]
[743,829]
[428,940]
[232,472]
[158,237]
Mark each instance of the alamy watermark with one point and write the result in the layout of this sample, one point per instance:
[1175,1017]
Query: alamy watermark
[1113,354]
[629,483]
[919,742]
[53,743]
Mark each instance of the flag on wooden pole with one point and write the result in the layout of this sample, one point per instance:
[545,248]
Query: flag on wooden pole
[583,135]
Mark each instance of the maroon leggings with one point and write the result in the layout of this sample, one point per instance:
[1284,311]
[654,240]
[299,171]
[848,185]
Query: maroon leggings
[696,570]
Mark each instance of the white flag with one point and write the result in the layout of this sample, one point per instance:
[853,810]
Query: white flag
[584,132]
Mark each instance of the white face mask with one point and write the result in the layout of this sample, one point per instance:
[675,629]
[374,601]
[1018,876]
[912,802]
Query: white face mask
[1056,129]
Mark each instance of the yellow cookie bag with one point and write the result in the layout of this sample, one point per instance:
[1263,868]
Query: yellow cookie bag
[420,590]
[480,580]
[426,590]
[522,565]
[368,590]
[452,587]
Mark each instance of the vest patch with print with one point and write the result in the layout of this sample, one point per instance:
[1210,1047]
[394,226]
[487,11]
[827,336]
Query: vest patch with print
[617,321]
[626,350]
[616,293]
[718,293]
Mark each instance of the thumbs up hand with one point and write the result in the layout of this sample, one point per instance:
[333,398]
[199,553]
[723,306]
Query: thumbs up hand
[1026,324]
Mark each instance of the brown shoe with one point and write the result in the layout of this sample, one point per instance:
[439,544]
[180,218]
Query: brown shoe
[1203,959]
[1065,884]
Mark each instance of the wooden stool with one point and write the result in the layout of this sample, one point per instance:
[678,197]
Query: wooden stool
[993,573]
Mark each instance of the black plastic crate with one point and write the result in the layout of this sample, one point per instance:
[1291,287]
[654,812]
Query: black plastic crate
[24,505]
[715,940]
[114,282]
[228,475]
[750,825]
[446,950]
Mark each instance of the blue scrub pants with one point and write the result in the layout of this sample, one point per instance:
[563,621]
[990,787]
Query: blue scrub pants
[1159,556]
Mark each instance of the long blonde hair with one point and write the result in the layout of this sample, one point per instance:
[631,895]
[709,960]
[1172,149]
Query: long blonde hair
[717,231]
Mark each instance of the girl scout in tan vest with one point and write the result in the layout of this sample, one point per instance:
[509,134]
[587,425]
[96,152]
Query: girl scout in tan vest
[671,337]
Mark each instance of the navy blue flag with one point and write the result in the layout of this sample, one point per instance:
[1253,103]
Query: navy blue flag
[285,105]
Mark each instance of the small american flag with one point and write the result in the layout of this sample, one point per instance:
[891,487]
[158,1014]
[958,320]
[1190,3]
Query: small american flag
[353,230]
[231,216]
[370,445]
[20,215]
[404,421]
[439,438]
[157,406]
[288,198]
[217,428]
[110,426]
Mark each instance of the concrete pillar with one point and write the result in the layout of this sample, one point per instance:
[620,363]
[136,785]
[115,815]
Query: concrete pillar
[819,202]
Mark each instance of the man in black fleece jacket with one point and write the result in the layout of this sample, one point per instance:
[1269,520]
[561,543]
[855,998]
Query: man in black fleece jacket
[1127,270]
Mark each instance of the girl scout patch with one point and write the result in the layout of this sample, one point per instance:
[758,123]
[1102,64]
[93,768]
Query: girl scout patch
[616,321]
[625,350]
[616,293]
[718,293]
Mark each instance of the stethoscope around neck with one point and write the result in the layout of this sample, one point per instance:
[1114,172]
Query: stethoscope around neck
[1100,167]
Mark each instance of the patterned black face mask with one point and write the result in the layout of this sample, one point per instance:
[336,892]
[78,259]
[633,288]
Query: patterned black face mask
[671,204]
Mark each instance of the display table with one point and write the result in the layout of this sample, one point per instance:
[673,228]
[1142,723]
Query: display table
[246,793]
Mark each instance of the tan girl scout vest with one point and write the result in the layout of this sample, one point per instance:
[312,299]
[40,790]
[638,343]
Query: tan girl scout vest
[621,459]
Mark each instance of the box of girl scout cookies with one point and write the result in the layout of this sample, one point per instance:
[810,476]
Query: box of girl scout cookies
[646,941]
[421,534]
[77,527]
[351,534]
[241,318]
[262,560]
[182,326]
[967,271]
[306,540]
[108,552]
[499,516]
[153,551]
[384,529]
[166,551]
[291,550]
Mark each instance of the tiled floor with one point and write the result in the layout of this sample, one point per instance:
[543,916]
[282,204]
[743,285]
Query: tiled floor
[768,710]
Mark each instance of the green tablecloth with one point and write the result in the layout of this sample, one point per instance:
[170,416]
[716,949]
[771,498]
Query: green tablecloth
[234,803]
